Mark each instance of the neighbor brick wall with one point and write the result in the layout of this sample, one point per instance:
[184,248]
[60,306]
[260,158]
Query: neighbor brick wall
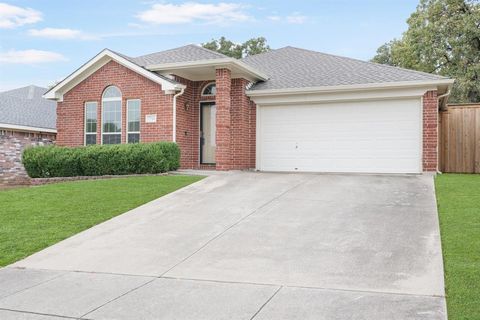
[70,112]
[430,131]
[12,144]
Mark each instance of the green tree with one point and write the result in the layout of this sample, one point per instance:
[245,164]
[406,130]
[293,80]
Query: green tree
[238,50]
[443,37]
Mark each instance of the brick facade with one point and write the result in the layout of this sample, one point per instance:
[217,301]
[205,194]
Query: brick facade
[430,131]
[235,120]
[70,112]
[12,144]
[188,121]
[223,156]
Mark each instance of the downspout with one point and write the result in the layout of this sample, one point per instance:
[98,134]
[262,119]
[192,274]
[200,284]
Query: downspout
[174,134]
[444,95]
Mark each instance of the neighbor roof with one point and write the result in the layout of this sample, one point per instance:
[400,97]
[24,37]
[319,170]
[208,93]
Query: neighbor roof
[291,67]
[186,53]
[26,107]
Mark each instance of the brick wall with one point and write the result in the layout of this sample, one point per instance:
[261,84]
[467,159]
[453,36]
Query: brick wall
[12,145]
[242,126]
[188,121]
[241,154]
[236,116]
[430,131]
[235,132]
[70,112]
[224,155]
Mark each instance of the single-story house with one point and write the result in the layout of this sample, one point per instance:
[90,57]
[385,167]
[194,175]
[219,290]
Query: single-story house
[289,109]
[26,119]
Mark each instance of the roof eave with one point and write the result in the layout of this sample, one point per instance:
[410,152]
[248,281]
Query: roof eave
[216,63]
[56,93]
[355,87]
[26,128]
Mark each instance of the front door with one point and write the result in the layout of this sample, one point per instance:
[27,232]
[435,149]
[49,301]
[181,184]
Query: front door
[207,132]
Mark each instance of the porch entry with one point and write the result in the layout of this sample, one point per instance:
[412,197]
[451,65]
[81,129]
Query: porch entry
[208,111]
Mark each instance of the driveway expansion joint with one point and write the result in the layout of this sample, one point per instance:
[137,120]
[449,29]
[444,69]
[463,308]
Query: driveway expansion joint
[266,302]
[116,298]
[42,314]
[236,223]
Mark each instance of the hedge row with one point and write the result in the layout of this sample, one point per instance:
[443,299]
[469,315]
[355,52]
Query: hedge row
[98,160]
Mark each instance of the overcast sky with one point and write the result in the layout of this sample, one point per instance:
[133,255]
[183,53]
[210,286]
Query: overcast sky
[43,41]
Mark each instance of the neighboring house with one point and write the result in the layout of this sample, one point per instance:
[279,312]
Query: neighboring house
[286,110]
[26,119]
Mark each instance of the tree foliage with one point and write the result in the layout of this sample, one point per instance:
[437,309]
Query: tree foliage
[238,50]
[443,37]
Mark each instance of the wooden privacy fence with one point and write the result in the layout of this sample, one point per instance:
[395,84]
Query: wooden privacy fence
[459,147]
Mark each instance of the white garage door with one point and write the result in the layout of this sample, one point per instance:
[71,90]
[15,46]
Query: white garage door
[370,136]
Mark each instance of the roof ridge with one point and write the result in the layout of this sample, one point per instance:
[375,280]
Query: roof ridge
[363,61]
[211,51]
[185,46]
[163,51]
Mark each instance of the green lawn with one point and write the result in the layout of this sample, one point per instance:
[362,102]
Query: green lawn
[458,198]
[36,217]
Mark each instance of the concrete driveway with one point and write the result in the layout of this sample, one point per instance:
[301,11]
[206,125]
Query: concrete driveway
[248,246]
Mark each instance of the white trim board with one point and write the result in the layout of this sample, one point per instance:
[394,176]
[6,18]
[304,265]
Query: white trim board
[327,96]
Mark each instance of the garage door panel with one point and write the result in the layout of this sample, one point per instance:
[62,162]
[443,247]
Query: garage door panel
[373,136]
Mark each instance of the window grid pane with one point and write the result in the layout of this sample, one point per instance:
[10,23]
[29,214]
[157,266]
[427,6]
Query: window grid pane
[133,125]
[90,139]
[90,123]
[111,138]
[211,89]
[133,137]
[112,92]
[112,116]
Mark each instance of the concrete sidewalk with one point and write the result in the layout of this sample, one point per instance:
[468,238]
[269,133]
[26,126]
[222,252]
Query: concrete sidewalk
[248,245]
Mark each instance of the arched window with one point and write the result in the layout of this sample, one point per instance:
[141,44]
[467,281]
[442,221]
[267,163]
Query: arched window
[111,115]
[210,89]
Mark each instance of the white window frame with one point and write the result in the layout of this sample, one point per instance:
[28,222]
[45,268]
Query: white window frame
[103,117]
[85,133]
[139,121]
[206,86]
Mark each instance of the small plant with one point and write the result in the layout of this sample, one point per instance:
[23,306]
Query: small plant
[97,160]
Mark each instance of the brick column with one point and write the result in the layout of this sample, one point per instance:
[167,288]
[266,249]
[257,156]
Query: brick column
[223,156]
[430,131]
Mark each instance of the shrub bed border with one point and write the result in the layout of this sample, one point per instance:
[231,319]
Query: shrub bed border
[42,181]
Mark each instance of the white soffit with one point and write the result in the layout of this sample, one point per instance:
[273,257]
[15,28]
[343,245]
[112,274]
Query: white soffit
[205,69]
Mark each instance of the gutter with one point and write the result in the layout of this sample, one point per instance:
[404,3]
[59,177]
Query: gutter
[354,87]
[174,133]
[26,128]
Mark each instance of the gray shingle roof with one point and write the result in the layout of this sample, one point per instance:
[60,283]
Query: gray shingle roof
[291,67]
[26,107]
[186,53]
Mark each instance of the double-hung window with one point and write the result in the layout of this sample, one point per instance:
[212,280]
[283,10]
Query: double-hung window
[90,123]
[133,121]
[112,116]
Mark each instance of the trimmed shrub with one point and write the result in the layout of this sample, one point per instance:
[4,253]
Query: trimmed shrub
[98,160]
